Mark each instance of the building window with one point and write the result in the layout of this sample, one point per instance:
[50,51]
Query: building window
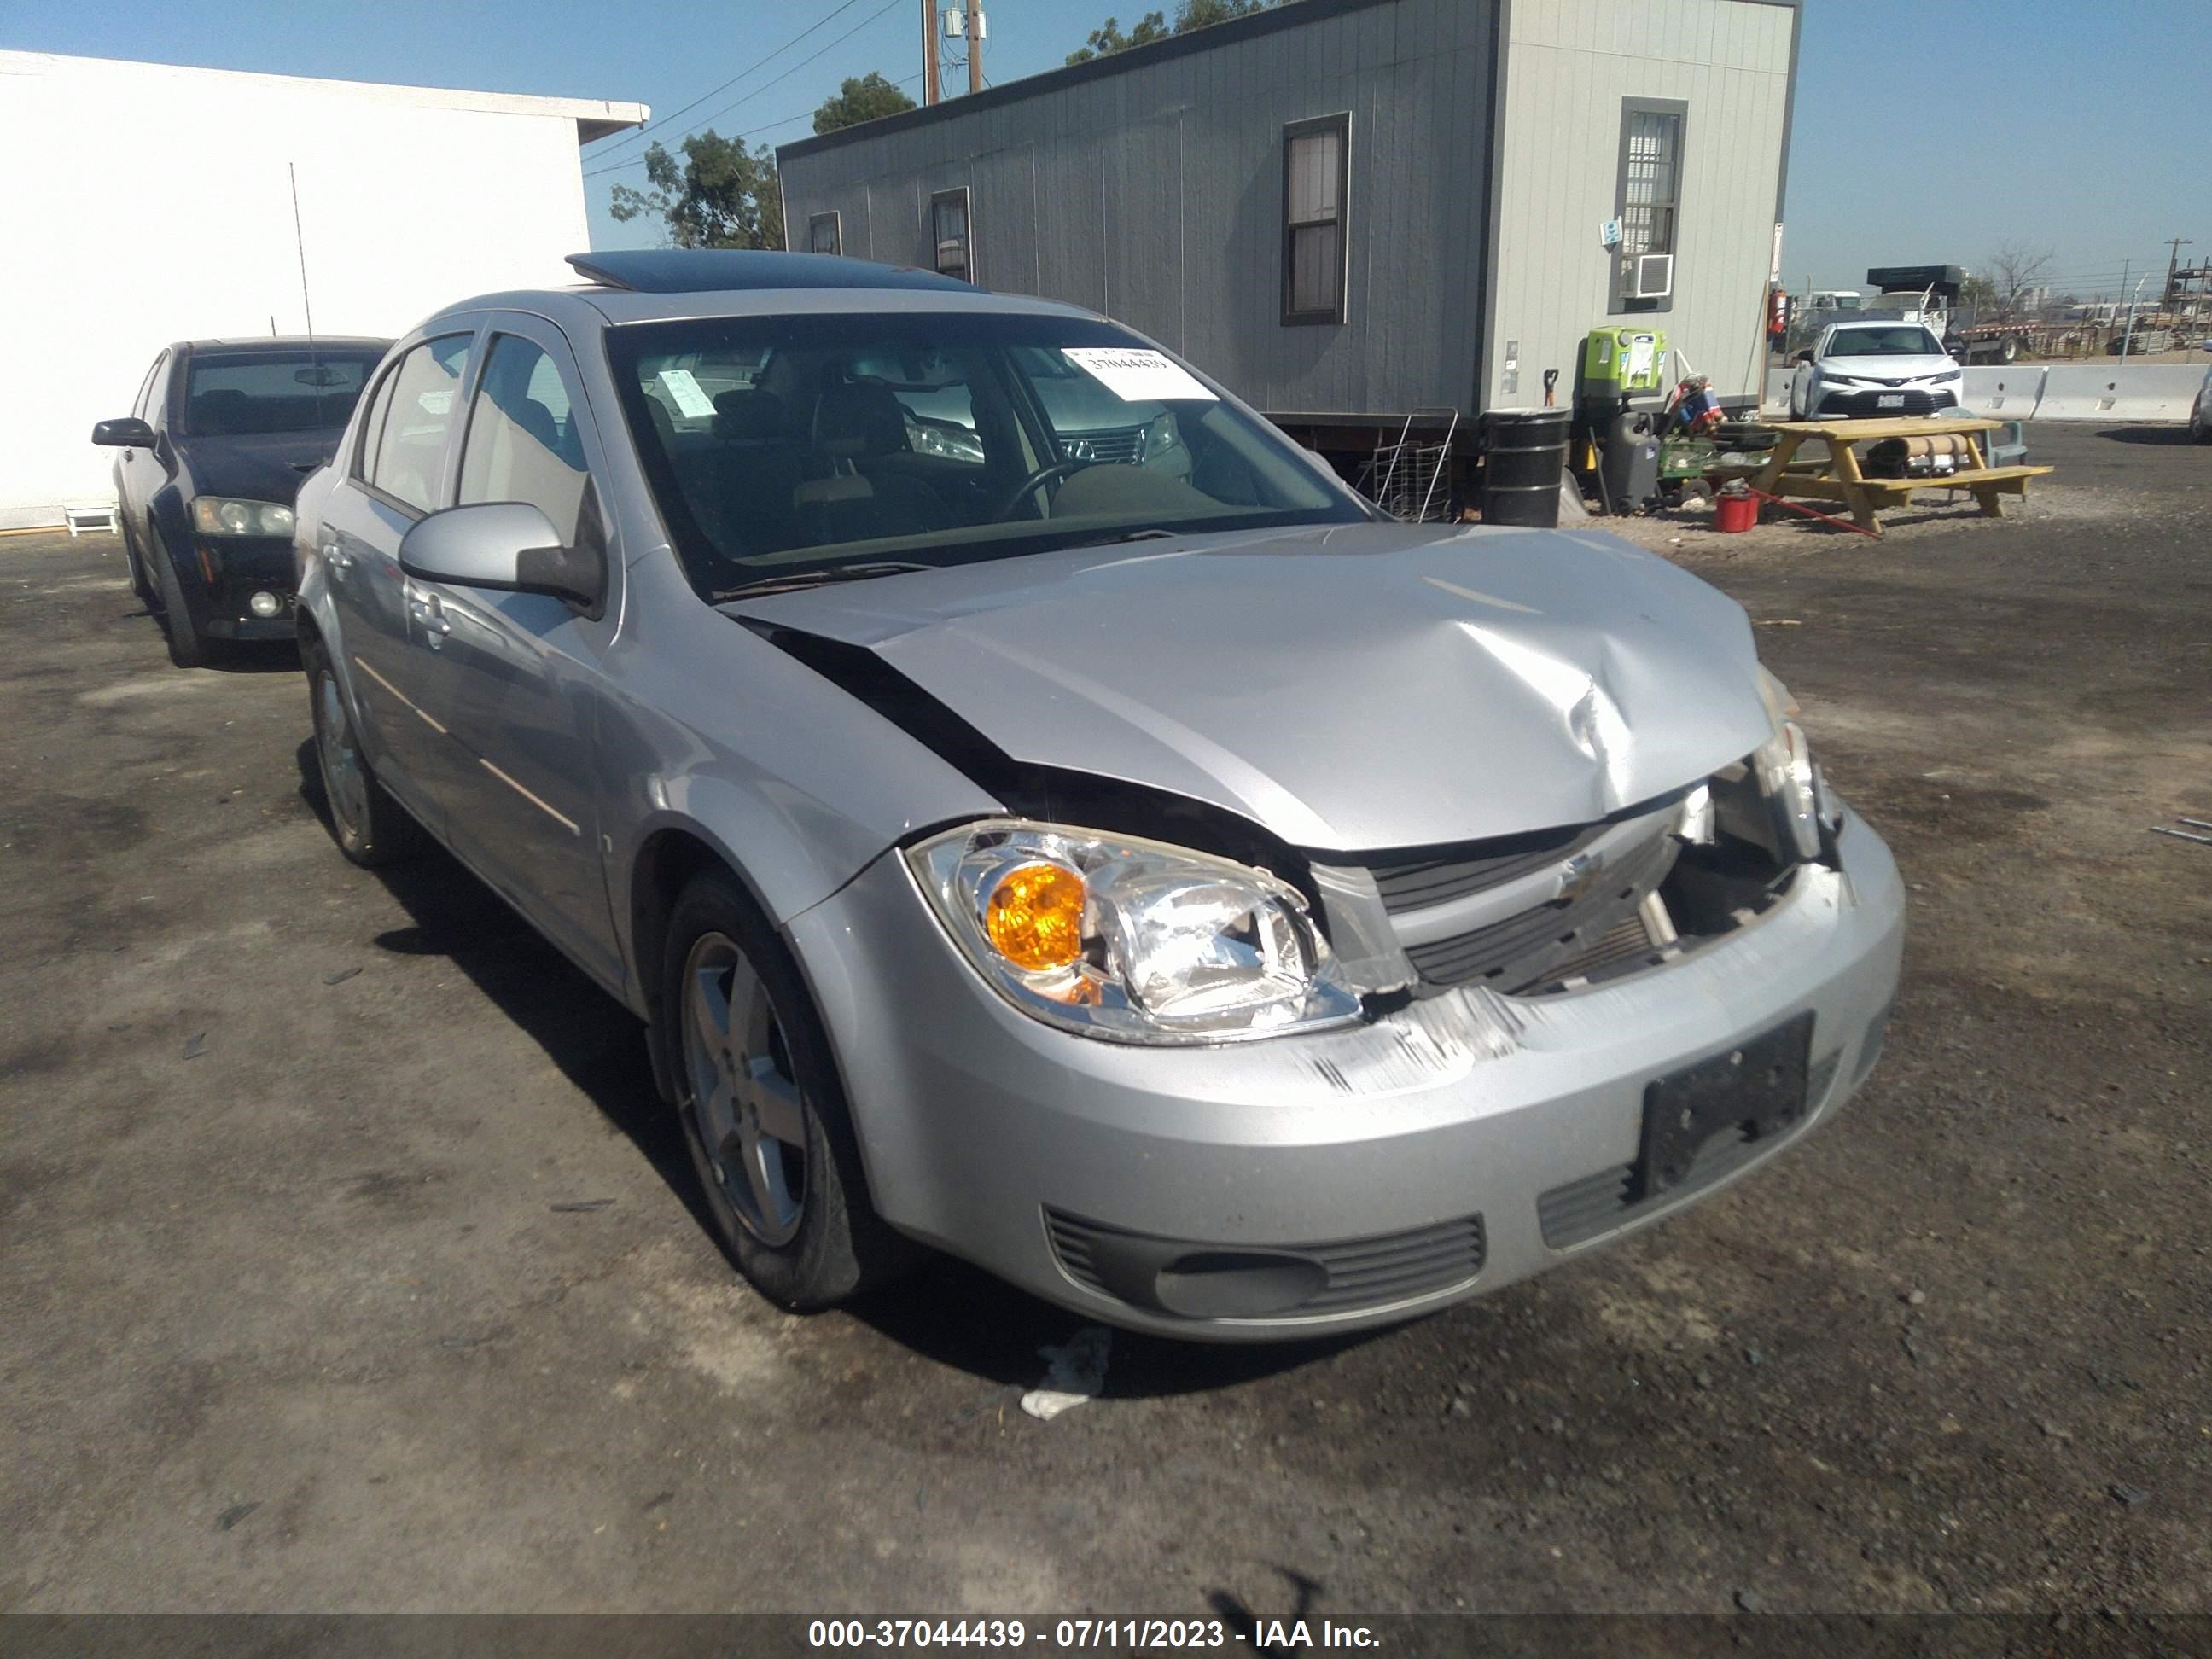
[824,234]
[949,232]
[1648,203]
[1316,182]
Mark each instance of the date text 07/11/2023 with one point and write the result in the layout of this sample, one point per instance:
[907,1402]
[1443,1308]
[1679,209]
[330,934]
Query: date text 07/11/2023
[1279,1635]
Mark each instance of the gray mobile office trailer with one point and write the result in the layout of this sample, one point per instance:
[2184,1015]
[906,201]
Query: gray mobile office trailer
[1349,210]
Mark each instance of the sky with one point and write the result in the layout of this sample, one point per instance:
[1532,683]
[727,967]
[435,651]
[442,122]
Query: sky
[1927,131]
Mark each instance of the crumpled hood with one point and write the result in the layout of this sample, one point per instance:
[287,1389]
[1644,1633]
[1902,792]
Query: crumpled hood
[1884,368]
[257,466]
[1352,688]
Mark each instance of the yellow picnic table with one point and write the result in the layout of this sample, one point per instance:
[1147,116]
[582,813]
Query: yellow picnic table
[1839,477]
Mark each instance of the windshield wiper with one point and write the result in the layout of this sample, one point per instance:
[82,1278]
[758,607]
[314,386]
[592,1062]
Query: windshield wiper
[801,579]
[1123,536]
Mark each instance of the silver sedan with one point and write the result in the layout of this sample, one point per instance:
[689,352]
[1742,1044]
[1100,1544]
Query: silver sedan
[1118,856]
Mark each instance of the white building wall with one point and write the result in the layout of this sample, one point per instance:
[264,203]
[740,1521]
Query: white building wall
[145,204]
[1570,64]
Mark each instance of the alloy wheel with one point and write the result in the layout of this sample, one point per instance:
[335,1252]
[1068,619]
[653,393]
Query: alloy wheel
[745,1102]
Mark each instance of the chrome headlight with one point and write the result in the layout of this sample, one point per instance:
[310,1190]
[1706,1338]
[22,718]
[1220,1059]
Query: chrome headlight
[1788,776]
[221,515]
[1946,377]
[1130,941]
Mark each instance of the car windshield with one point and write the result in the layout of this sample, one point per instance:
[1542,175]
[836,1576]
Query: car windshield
[1899,340]
[782,447]
[233,393]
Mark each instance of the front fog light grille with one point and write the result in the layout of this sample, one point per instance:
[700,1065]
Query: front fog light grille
[1167,1275]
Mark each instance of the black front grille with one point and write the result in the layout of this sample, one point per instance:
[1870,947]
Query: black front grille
[1536,944]
[1861,405]
[1362,1272]
[1418,881]
[1121,447]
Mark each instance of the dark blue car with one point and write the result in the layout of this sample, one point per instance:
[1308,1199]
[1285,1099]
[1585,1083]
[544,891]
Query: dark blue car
[212,457]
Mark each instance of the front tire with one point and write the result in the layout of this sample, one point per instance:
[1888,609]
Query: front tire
[2200,422]
[369,826]
[188,646]
[762,1111]
[139,584]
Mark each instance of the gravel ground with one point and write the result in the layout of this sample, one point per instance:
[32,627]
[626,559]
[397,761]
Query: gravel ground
[296,1319]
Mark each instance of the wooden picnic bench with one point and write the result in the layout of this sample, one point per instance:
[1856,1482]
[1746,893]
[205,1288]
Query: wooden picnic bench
[1839,477]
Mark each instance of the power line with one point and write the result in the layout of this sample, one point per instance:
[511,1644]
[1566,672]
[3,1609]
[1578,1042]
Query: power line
[631,138]
[751,132]
[639,161]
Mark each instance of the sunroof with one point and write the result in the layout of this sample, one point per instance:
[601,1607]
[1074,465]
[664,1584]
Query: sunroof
[707,270]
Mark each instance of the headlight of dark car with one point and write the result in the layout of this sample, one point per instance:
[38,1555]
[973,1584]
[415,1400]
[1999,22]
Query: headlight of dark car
[1130,941]
[224,515]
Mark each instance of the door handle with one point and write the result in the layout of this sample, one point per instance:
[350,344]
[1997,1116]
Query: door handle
[430,610]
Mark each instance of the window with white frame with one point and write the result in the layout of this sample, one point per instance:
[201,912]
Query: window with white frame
[950,233]
[1649,194]
[824,234]
[1316,182]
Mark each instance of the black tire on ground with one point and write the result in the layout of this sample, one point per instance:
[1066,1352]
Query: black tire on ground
[2009,350]
[841,1247]
[369,826]
[2200,419]
[188,646]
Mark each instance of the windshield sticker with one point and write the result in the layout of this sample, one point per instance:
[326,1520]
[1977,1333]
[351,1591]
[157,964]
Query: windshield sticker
[690,402]
[1136,376]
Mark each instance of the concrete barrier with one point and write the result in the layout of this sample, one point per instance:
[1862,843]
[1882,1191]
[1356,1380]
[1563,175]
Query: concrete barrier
[2118,391]
[1777,389]
[2012,392]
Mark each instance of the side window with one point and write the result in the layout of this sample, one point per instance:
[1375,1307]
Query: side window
[523,444]
[406,450]
[823,233]
[372,426]
[146,388]
[950,233]
[1316,198]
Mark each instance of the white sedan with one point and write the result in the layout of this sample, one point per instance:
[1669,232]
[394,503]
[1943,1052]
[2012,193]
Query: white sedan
[1874,368]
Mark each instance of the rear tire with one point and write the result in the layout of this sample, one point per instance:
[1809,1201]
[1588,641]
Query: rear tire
[2200,421]
[2009,350]
[762,1110]
[369,826]
[188,646]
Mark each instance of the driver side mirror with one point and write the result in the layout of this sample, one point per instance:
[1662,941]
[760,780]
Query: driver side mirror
[128,433]
[1805,356]
[510,547]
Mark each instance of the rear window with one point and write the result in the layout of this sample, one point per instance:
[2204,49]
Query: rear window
[238,392]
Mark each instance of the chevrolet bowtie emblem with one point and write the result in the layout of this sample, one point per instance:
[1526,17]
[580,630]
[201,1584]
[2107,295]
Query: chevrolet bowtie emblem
[1579,874]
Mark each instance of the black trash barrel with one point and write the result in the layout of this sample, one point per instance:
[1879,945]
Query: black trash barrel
[1524,457]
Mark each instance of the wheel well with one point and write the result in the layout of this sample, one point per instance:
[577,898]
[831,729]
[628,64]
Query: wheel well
[303,625]
[664,868]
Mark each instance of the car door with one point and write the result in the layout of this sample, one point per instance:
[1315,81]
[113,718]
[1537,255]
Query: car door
[517,676]
[397,471]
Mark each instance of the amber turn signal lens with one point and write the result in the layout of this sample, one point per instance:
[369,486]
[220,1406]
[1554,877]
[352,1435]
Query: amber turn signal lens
[1034,917]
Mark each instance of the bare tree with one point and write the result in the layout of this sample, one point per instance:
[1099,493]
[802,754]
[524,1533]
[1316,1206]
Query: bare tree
[2014,267]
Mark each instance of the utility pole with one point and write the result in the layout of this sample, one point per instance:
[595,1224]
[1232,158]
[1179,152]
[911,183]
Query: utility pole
[929,88]
[975,45]
[2173,260]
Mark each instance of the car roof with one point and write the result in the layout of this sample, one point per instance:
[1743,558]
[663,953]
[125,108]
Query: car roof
[658,284]
[287,344]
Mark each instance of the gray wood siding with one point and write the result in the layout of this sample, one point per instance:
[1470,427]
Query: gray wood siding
[1154,194]
[1569,64]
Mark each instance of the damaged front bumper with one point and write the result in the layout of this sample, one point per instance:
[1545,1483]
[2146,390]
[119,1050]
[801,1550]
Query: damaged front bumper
[1303,1185]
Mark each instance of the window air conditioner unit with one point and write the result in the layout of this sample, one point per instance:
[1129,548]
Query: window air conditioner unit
[1653,276]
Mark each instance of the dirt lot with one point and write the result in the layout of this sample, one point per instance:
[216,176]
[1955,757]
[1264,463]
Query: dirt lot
[294,1320]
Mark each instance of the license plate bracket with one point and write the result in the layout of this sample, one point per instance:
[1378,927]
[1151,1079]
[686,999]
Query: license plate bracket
[1890,400]
[1754,1090]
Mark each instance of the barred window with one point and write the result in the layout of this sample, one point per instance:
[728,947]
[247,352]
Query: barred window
[1649,192]
[1317,168]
